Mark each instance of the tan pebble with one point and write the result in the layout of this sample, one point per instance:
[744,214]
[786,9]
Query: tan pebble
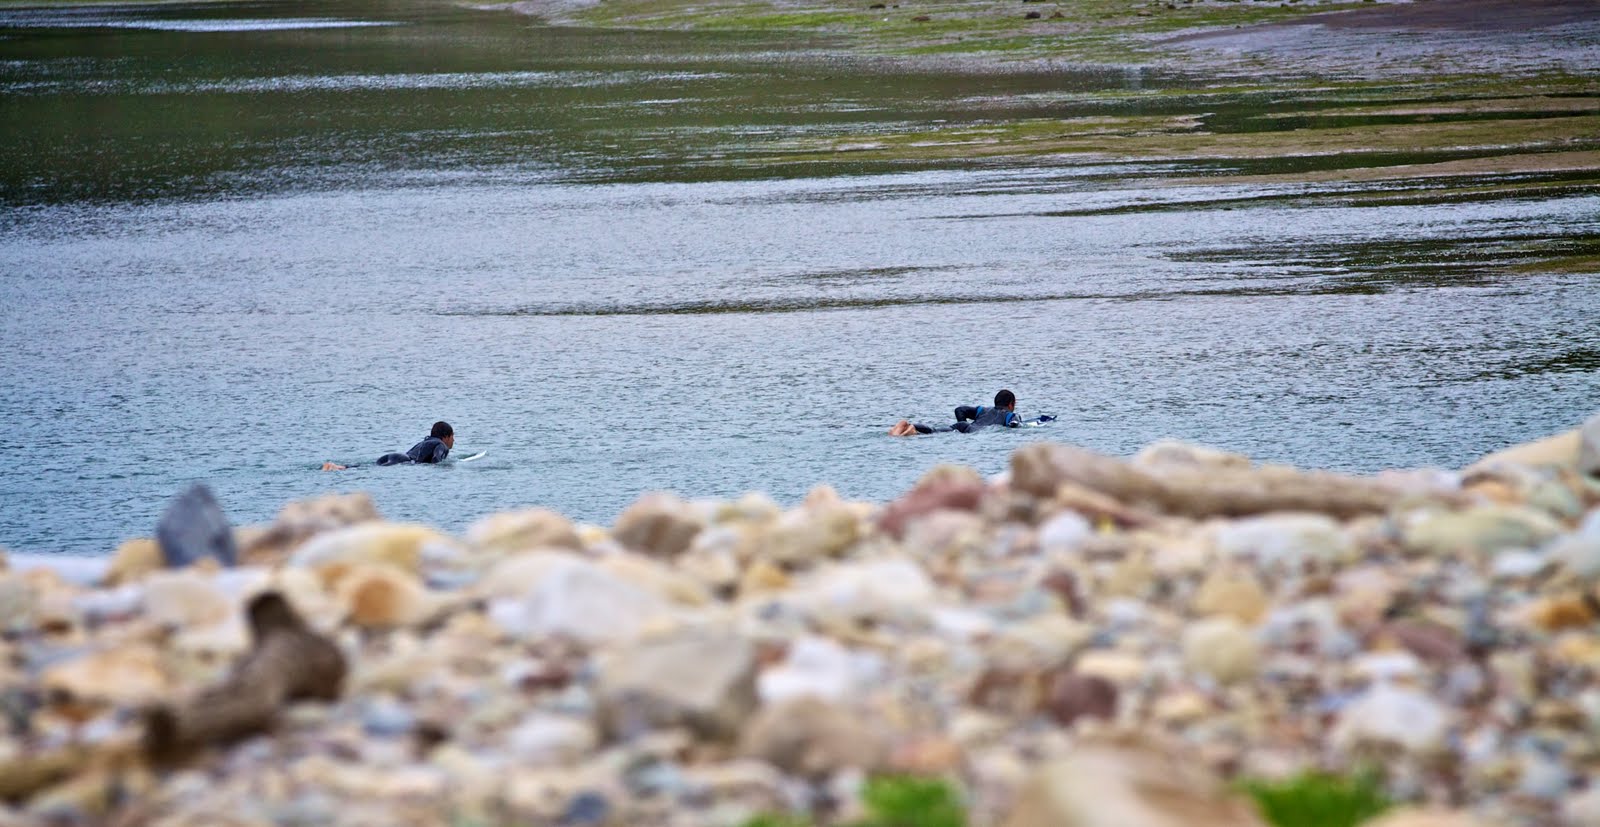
[1120,668]
[401,545]
[658,524]
[762,577]
[1566,612]
[1577,649]
[127,676]
[133,560]
[1173,557]
[1229,593]
[1126,784]
[1181,707]
[663,580]
[380,597]
[1222,648]
[517,531]
[185,598]
[927,755]
[809,534]
[814,738]
[1131,578]
[1417,817]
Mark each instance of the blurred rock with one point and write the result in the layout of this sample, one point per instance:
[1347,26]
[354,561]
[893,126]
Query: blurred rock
[813,738]
[193,528]
[657,524]
[704,682]
[517,531]
[1222,648]
[133,560]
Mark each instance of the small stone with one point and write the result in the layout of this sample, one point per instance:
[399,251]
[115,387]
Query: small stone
[17,603]
[1417,817]
[1589,446]
[1483,530]
[706,682]
[926,756]
[401,545]
[579,599]
[663,580]
[1564,612]
[813,738]
[546,740]
[128,676]
[818,667]
[193,528]
[133,560]
[1582,809]
[1182,707]
[384,716]
[953,491]
[1579,552]
[1120,668]
[1389,715]
[889,589]
[1231,593]
[516,531]
[384,597]
[1127,784]
[1064,533]
[185,598]
[1285,540]
[806,535]
[1072,696]
[586,809]
[1428,641]
[762,578]
[658,524]
[1222,648]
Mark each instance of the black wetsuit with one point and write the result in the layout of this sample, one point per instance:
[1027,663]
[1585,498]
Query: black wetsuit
[429,450]
[969,419]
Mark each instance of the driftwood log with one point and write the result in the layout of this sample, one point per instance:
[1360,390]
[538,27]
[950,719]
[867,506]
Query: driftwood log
[1043,469]
[287,662]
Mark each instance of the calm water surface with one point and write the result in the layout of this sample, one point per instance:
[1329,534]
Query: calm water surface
[238,241]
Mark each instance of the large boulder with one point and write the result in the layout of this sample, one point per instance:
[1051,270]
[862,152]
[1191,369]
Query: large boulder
[193,528]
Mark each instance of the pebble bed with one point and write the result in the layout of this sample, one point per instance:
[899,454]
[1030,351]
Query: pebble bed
[1084,640]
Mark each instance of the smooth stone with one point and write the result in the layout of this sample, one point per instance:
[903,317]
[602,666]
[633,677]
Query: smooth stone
[814,739]
[17,603]
[658,524]
[706,682]
[1483,530]
[1582,809]
[1071,696]
[664,580]
[1128,785]
[1589,446]
[133,560]
[1285,539]
[383,597]
[821,668]
[384,716]
[583,601]
[1579,552]
[402,545]
[1560,450]
[1389,715]
[125,676]
[511,532]
[1064,533]
[806,535]
[1121,668]
[888,589]
[193,528]
[546,740]
[940,494]
[1231,593]
[1222,648]
[1418,817]
[186,599]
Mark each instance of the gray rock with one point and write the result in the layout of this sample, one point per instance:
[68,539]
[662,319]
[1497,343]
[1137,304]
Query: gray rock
[193,528]
[1589,446]
[702,681]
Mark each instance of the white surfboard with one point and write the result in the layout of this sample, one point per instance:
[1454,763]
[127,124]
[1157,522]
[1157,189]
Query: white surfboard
[478,455]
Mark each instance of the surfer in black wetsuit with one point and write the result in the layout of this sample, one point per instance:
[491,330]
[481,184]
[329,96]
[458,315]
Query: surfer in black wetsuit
[432,449]
[970,418]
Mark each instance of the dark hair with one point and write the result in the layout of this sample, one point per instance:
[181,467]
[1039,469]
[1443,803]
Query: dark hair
[1005,399]
[442,429]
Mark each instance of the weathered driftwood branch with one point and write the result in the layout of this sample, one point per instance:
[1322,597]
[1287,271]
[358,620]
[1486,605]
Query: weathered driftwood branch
[287,662]
[1041,469]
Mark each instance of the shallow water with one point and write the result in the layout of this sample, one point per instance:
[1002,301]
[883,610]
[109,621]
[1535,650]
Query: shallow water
[232,250]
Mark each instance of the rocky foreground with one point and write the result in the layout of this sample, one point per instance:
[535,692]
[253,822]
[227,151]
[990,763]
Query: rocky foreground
[1086,641]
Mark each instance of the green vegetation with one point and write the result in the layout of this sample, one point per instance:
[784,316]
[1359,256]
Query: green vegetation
[1318,800]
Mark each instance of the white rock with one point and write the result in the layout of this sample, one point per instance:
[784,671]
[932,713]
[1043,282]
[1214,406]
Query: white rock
[819,667]
[1579,552]
[581,600]
[1222,648]
[186,598]
[1064,532]
[1387,666]
[893,589]
[543,740]
[1395,716]
[1288,540]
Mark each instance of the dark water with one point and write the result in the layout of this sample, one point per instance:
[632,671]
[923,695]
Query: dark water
[231,250]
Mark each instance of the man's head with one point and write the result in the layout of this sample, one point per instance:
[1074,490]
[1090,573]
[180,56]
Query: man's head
[1005,400]
[444,433]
